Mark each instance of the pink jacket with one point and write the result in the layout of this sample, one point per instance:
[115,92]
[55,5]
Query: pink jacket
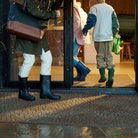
[80,18]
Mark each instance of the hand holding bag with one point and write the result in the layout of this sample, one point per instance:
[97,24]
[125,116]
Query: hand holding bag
[23,25]
[117,45]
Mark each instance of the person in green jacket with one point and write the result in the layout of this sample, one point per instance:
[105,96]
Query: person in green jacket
[30,49]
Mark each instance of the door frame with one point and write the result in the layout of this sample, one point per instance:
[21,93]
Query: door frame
[68,51]
[5,81]
[136,48]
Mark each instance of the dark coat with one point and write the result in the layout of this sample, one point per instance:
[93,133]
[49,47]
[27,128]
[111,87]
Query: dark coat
[43,12]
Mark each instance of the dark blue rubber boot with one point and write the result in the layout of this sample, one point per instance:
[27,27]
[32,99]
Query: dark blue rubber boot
[84,70]
[23,91]
[79,75]
[45,88]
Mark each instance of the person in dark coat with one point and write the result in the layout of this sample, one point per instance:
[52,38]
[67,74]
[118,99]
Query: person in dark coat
[30,49]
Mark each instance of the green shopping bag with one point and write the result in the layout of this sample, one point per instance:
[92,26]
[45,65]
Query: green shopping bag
[117,45]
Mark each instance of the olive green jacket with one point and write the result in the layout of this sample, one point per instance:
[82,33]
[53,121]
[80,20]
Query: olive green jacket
[42,12]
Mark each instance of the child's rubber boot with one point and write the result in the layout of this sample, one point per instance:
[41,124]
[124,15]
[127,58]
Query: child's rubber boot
[84,70]
[79,75]
[109,83]
[102,73]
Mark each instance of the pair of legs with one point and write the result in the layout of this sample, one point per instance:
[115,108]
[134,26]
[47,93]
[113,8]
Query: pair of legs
[81,68]
[29,60]
[45,76]
[103,56]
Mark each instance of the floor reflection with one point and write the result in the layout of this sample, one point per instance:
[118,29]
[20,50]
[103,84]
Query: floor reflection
[16,130]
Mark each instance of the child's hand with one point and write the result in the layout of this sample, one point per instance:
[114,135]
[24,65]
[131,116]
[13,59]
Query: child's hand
[85,34]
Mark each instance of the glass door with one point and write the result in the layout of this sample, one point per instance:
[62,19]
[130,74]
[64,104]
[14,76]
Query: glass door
[59,37]
[55,37]
[124,75]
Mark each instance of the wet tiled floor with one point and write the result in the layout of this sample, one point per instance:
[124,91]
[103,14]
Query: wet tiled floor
[16,130]
[102,116]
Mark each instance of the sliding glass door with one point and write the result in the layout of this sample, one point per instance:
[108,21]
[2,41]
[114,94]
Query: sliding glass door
[59,37]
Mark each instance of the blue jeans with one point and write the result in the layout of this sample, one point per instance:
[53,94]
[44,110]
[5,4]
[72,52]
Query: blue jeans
[76,48]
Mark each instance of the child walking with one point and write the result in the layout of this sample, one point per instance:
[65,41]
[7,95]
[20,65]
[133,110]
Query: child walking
[79,20]
[104,20]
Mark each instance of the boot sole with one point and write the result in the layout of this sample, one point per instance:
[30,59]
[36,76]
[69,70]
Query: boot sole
[85,76]
[45,97]
[109,84]
[101,81]
[26,99]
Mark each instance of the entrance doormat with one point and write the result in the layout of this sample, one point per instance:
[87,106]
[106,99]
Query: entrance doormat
[72,109]
[120,80]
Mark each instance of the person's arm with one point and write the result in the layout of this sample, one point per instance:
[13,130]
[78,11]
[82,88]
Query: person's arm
[32,7]
[76,20]
[115,24]
[91,21]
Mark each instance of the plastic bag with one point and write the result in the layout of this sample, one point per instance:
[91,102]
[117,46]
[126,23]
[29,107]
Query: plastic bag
[117,45]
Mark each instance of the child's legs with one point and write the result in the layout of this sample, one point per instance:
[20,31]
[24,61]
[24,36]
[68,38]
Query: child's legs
[108,55]
[76,48]
[100,49]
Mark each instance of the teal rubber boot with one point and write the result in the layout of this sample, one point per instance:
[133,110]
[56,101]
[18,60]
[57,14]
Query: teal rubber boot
[109,83]
[102,73]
